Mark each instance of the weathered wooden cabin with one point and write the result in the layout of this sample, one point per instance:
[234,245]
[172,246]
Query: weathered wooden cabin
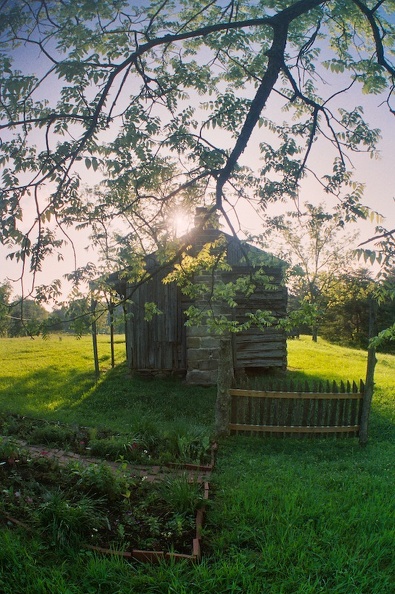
[165,345]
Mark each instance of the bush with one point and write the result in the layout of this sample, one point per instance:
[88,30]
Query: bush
[67,522]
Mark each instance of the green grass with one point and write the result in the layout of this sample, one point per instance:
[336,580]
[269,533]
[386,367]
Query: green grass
[44,376]
[329,361]
[317,516]
[54,379]
[323,360]
[288,516]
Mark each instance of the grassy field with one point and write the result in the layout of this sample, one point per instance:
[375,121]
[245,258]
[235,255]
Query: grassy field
[54,379]
[287,516]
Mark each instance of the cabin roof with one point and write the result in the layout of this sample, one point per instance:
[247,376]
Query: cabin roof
[239,252]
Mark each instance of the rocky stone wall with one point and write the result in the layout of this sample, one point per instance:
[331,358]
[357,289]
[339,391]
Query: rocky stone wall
[202,356]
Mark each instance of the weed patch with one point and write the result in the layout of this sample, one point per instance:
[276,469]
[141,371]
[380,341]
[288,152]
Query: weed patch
[193,447]
[79,505]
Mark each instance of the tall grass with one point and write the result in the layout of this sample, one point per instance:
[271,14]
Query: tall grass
[288,516]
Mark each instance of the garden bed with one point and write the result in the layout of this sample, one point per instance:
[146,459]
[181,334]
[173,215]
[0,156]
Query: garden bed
[140,447]
[91,505]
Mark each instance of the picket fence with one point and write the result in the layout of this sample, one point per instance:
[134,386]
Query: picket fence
[327,408]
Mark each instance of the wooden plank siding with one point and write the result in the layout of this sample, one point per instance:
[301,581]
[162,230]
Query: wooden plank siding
[157,344]
[254,348]
[284,412]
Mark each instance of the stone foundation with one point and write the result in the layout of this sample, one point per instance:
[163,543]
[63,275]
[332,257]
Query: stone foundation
[202,356]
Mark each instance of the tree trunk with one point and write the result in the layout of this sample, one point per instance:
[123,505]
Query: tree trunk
[369,383]
[125,323]
[94,339]
[111,312]
[225,379]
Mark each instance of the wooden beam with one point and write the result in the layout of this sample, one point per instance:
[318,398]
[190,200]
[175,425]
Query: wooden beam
[297,395]
[285,429]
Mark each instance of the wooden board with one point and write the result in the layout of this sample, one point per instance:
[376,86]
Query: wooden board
[285,429]
[296,395]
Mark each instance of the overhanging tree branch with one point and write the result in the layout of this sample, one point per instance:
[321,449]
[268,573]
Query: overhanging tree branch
[158,58]
[279,23]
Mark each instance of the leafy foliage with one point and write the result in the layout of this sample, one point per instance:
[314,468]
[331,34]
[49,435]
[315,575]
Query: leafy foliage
[26,318]
[200,277]
[313,242]
[5,294]
[154,105]
[349,303]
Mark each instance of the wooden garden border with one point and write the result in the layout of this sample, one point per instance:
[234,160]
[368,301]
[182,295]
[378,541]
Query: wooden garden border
[151,556]
[327,409]
[157,556]
[147,556]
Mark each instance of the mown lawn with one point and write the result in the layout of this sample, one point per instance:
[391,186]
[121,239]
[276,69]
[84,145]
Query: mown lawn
[287,516]
[54,379]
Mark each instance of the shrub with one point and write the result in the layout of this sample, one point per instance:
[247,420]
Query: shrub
[66,522]
[181,494]
[51,434]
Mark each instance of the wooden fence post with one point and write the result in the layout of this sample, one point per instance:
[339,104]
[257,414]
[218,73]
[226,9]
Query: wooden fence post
[369,383]
[367,396]
[224,383]
[111,314]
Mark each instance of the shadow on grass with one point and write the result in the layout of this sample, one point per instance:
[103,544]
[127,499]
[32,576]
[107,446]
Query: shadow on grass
[44,392]
[298,378]
[117,401]
[122,401]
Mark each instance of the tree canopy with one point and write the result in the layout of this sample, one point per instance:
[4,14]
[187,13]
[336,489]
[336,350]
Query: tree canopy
[154,105]
[313,242]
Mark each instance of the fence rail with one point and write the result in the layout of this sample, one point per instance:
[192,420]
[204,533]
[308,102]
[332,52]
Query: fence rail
[328,408]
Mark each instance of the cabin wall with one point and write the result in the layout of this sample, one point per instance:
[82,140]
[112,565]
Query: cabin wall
[156,346]
[164,345]
[202,356]
[254,350]
[201,344]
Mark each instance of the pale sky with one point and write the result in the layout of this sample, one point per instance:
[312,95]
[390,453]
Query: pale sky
[378,175]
